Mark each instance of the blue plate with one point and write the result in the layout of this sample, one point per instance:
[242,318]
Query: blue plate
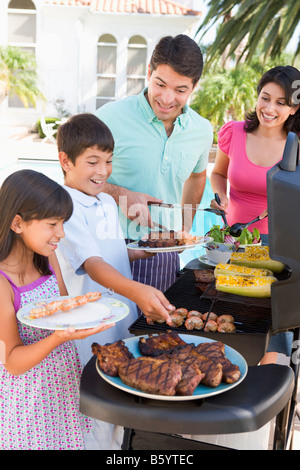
[202,391]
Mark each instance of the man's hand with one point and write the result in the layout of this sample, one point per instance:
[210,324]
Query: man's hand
[135,206]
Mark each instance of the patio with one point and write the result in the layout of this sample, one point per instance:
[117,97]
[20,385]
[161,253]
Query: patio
[19,148]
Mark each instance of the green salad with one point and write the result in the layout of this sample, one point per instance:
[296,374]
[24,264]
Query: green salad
[222,235]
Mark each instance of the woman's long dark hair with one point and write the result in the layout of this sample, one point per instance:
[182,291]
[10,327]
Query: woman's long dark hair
[32,195]
[288,78]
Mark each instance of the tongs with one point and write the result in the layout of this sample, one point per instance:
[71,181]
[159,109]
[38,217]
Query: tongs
[161,227]
[217,199]
[175,206]
[236,229]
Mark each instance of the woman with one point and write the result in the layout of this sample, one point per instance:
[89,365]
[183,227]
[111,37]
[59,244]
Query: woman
[248,149]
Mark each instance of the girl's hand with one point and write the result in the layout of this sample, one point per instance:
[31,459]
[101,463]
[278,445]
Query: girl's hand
[72,334]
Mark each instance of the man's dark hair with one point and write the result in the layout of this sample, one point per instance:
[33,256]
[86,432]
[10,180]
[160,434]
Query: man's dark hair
[181,53]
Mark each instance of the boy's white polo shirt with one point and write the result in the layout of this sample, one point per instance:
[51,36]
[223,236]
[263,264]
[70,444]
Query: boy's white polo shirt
[94,230]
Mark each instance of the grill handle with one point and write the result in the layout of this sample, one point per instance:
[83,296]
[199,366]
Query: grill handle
[290,157]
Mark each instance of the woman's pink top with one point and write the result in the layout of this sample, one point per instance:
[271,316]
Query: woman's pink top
[248,182]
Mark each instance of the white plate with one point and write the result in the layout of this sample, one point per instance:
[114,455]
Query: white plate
[135,246]
[201,391]
[207,261]
[104,311]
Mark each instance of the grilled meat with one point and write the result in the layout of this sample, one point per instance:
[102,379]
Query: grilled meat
[174,368]
[177,319]
[194,313]
[156,345]
[151,375]
[210,325]
[225,319]
[111,356]
[187,355]
[210,316]
[194,323]
[226,327]
[204,276]
[159,239]
[191,377]
[181,311]
[216,352]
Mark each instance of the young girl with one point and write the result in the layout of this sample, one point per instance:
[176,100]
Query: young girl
[39,369]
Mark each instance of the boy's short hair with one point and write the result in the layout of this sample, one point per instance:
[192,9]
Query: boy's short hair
[181,53]
[81,132]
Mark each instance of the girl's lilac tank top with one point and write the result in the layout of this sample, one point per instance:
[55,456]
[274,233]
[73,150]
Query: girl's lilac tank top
[18,290]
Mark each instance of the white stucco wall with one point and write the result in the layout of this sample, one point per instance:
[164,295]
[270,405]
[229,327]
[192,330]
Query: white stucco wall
[66,53]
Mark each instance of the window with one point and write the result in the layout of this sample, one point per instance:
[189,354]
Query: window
[106,69]
[21,32]
[136,64]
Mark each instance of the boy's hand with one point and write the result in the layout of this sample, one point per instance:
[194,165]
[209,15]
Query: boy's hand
[154,304]
[134,255]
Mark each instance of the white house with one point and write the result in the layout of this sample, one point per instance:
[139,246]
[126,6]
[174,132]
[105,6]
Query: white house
[88,51]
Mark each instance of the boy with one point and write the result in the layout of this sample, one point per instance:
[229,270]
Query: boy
[93,254]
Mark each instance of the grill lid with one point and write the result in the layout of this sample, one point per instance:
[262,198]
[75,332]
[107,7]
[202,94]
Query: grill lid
[283,193]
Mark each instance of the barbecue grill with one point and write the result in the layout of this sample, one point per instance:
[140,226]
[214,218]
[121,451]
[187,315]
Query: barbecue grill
[267,391]
[253,317]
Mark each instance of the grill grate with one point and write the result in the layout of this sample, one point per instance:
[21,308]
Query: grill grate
[253,319]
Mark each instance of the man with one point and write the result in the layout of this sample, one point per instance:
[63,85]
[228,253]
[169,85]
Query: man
[161,152]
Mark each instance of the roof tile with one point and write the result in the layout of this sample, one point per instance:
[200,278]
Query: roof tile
[156,7]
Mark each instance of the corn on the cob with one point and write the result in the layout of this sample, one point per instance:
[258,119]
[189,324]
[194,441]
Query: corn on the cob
[234,269]
[249,286]
[256,257]
[257,249]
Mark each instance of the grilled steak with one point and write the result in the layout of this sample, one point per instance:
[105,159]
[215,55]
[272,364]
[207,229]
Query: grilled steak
[151,375]
[156,345]
[204,276]
[111,356]
[191,377]
[211,371]
[216,352]
[159,239]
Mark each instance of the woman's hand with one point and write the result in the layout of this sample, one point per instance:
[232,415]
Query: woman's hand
[222,206]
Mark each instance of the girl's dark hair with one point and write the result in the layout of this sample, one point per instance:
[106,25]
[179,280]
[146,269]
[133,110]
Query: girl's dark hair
[288,78]
[81,132]
[32,195]
[181,53]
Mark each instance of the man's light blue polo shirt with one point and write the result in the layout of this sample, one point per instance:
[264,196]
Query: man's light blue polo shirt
[146,160]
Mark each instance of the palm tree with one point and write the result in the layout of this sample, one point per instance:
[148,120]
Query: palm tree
[251,23]
[18,76]
[226,94]
[229,93]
